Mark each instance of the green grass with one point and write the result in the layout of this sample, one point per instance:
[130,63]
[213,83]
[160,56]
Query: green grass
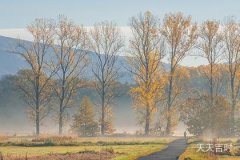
[127,152]
[126,148]
[134,152]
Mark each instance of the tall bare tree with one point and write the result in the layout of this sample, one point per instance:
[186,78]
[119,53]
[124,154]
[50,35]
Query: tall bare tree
[231,38]
[35,84]
[210,44]
[106,43]
[146,49]
[180,35]
[70,59]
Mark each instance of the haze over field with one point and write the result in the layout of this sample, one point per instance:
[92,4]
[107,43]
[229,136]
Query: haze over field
[161,13]
[12,105]
[119,79]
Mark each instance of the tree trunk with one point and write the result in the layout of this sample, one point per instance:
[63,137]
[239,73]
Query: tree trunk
[61,106]
[233,119]
[211,123]
[37,122]
[37,106]
[233,104]
[103,115]
[60,121]
[147,124]
[168,128]
[211,85]
[169,101]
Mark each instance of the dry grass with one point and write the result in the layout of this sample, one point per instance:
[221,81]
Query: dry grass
[192,154]
[84,155]
[4,138]
[118,148]
[82,141]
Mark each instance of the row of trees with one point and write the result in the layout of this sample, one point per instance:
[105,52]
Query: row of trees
[151,43]
[168,91]
[57,59]
[60,53]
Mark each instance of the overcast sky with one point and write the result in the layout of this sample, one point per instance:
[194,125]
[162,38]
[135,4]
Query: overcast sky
[15,15]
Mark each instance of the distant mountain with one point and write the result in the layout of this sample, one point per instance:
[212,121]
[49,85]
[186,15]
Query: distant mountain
[11,64]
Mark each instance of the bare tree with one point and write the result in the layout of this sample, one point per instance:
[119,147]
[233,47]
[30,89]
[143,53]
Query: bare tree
[180,36]
[70,59]
[231,38]
[146,49]
[210,44]
[106,43]
[35,84]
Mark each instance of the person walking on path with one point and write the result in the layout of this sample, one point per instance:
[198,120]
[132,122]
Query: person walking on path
[185,134]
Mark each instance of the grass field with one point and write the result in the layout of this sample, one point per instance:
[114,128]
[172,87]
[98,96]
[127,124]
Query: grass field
[123,148]
[192,154]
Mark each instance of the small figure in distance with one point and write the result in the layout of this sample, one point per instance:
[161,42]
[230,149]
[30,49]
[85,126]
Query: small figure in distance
[185,134]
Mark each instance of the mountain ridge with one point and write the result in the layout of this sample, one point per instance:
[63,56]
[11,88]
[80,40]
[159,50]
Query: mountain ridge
[11,64]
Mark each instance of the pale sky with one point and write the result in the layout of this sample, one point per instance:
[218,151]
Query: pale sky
[16,15]
[19,13]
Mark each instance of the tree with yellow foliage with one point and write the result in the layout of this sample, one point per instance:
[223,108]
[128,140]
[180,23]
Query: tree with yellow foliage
[145,62]
[180,91]
[84,122]
[148,92]
[203,114]
[180,36]
[201,120]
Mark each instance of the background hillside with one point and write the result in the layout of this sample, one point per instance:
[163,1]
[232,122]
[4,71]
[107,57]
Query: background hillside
[11,104]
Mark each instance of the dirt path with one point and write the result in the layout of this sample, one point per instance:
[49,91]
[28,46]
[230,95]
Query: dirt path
[172,152]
